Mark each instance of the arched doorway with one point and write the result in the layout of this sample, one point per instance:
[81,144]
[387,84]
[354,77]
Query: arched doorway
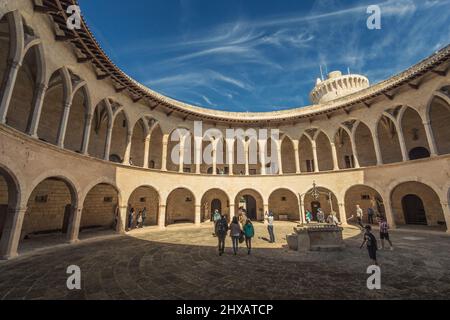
[9,200]
[419,153]
[414,210]
[215,199]
[100,209]
[366,197]
[325,200]
[284,205]
[252,202]
[439,114]
[180,206]
[416,203]
[147,198]
[48,213]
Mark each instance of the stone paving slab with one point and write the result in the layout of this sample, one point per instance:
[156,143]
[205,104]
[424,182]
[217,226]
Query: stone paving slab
[182,263]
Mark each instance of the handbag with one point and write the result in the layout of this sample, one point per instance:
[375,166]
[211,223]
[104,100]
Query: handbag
[241,237]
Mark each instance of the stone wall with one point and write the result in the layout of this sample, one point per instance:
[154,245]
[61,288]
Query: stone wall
[180,206]
[99,207]
[146,197]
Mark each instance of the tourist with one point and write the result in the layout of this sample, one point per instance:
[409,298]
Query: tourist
[249,233]
[243,218]
[269,220]
[371,242]
[320,216]
[309,216]
[359,216]
[144,216]
[332,219]
[130,218]
[370,215]
[139,220]
[235,233]
[216,218]
[384,233]
[221,231]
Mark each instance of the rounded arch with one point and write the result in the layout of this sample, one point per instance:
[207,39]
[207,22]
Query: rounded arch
[326,200]
[177,136]
[145,200]
[284,204]
[388,139]
[438,114]
[287,154]
[78,116]
[11,191]
[367,197]
[364,145]
[252,201]
[180,206]
[101,121]
[416,202]
[156,141]
[324,153]
[100,207]
[413,130]
[138,143]
[306,156]
[344,151]
[213,199]
[119,136]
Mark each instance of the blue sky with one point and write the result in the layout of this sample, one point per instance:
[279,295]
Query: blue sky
[261,55]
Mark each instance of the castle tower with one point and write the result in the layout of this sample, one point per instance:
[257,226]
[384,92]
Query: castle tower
[336,86]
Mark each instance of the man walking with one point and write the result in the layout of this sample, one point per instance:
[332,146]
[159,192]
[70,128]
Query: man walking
[384,233]
[144,216]
[221,231]
[359,216]
[130,218]
[269,219]
[216,218]
[370,215]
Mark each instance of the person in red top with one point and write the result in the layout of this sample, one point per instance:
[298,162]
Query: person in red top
[384,232]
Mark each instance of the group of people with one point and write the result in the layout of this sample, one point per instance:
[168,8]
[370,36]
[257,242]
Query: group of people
[136,219]
[320,217]
[241,229]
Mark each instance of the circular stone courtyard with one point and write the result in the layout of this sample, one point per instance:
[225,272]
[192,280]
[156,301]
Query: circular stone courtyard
[182,262]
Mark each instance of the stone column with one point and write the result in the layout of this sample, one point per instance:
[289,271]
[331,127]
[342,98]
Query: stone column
[334,155]
[74,224]
[198,141]
[11,233]
[376,145]
[38,101]
[279,160]
[401,139]
[297,156]
[165,142]
[108,142]
[388,212]
[181,156]
[342,213]
[126,156]
[86,134]
[230,151]
[247,169]
[355,152]
[266,209]
[262,156]
[146,151]
[198,215]
[214,159]
[316,161]
[446,210]
[122,222]
[63,124]
[232,210]
[162,216]
[430,139]
[7,87]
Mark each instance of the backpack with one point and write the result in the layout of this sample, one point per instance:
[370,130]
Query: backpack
[222,226]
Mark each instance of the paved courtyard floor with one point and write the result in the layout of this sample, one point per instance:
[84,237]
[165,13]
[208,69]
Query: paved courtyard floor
[182,263]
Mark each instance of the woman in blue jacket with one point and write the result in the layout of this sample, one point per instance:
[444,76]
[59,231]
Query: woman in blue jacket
[249,233]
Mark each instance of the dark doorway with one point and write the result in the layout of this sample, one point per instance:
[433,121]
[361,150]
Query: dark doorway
[66,220]
[3,213]
[419,153]
[315,206]
[216,204]
[250,204]
[414,210]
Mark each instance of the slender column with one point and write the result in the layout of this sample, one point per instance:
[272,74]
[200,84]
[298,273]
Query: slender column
[126,156]
[315,158]
[214,159]
[430,139]
[446,210]
[262,156]
[8,88]
[162,216]
[11,233]
[198,215]
[279,160]
[63,124]
[181,156]
[86,134]
[38,101]
[297,156]
[165,142]
[334,155]
[388,212]
[401,139]
[376,144]
[302,208]
[355,152]
[108,142]
[247,170]
[266,209]
[342,213]
[230,150]
[198,154]
[74,224]
[232,209]
[146,150]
